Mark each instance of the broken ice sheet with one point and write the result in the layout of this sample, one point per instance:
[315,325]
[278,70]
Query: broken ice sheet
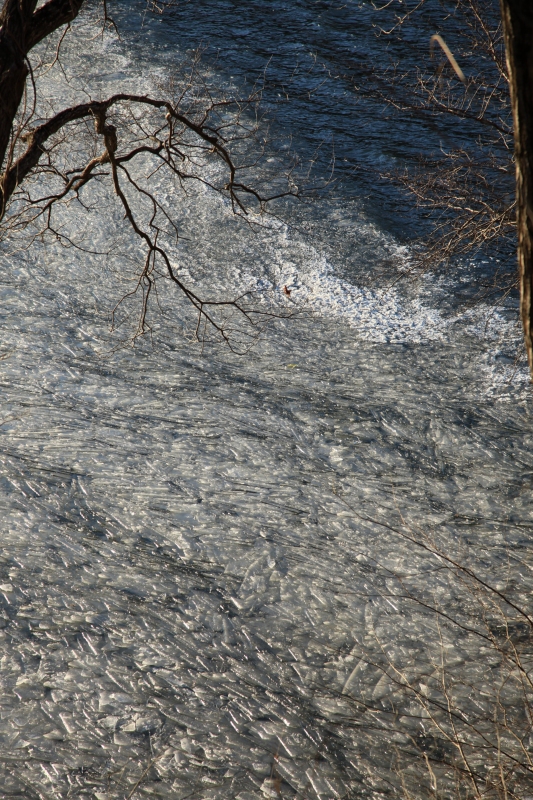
[185,599]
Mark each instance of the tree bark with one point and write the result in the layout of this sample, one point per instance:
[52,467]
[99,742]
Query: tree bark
[517,18]
[21,28]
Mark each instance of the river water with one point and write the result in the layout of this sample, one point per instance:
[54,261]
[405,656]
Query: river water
[200,550]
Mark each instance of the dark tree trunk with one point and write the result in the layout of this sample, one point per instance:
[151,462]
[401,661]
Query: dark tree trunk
[13,66]
[21,28]
[517,16]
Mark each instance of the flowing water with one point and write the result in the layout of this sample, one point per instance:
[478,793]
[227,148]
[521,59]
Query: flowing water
[195,548]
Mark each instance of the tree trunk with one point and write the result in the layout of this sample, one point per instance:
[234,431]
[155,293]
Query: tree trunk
[517,17]
[13,67]
[22,26]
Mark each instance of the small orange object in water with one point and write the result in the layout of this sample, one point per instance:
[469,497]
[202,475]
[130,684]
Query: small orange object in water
[286,291]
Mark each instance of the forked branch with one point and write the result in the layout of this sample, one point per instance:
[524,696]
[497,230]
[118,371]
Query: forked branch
[142,136]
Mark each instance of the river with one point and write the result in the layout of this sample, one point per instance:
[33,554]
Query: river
[208,560]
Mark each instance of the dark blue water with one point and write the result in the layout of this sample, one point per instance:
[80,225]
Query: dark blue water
[326,70]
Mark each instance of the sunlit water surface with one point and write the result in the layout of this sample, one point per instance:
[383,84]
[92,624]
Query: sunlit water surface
[192,549]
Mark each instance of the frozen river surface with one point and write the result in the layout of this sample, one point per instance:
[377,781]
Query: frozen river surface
[204,573]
